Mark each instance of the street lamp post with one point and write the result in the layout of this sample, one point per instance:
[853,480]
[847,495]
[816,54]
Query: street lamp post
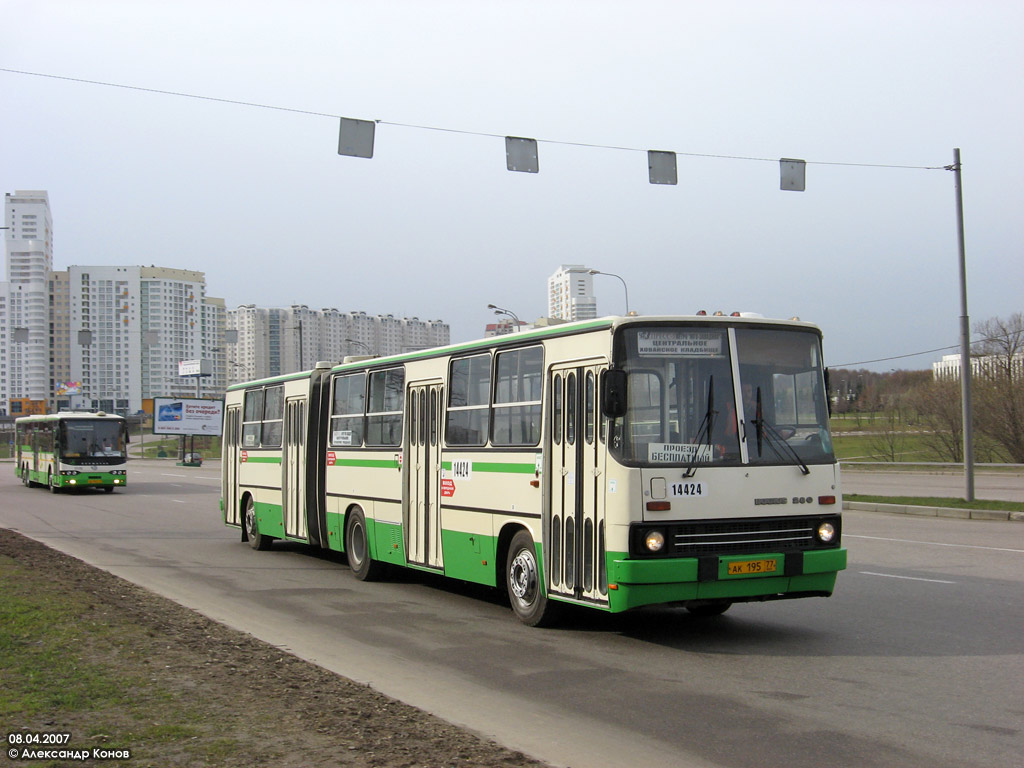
[501,311]
[360,344]
[619,277]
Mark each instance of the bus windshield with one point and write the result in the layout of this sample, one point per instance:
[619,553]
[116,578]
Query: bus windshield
[687,406]
[92,441]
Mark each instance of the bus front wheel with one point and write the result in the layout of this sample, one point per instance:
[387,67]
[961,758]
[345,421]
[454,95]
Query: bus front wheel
[523,581]
[709,609]
[53,487]
[252,531]
[357,547]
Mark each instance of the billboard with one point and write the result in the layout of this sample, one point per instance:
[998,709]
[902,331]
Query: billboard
[195,367]
[181,416]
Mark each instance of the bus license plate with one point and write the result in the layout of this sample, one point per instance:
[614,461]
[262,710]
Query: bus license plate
[749,567]
[95,480]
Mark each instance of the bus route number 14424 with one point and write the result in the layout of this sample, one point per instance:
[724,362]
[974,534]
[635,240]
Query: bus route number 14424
[687,489]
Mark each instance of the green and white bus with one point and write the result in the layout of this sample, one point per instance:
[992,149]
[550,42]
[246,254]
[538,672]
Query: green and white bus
[612,463]
[72,450]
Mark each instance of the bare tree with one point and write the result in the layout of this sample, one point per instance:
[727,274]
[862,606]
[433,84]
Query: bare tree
[999,403]
[888,438]
[940,416]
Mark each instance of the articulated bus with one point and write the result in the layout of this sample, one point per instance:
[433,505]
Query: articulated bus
[72,450]
[612,463]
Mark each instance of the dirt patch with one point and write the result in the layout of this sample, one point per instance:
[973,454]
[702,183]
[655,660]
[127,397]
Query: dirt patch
[198,693]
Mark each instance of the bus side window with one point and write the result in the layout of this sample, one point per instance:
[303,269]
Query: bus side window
[468,400]
[252,418]
[517,397]
[384,411]
[347,410]
[273,417]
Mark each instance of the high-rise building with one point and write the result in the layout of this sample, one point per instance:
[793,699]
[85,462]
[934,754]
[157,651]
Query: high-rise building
[571,293]
[64,385]
[28,244]
[274,341]
[129,329]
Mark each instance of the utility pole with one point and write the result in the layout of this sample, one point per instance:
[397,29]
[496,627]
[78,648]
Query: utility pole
[965,338]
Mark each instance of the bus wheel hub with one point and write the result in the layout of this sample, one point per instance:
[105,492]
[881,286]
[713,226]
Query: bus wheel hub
[523,576]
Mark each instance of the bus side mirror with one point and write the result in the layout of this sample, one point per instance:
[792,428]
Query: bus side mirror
[828,391]
[613,393]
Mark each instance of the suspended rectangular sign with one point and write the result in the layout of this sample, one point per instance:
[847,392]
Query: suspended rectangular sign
[521,155]
[794,174]
[661,167]
[355,139]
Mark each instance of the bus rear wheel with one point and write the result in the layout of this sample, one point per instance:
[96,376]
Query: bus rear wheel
[523,582]
[709,609]
[252,531]
[357,547]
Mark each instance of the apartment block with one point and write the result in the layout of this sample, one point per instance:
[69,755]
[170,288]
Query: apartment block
[273,341]
[571,293]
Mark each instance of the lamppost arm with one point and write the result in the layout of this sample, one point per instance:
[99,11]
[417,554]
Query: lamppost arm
[625,288]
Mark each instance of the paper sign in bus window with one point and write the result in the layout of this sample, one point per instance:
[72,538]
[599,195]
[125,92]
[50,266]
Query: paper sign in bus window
[677,453]
[679,343]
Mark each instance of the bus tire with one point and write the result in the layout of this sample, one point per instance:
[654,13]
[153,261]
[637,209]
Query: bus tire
[49,483]
[523,582]
[24,476]
[709,609]
[357,547]
[256,539]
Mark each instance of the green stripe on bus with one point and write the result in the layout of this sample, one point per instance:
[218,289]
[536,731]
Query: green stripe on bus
[383,463]
[262,460]
[498,466]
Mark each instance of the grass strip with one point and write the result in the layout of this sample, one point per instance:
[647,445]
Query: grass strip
[937,501]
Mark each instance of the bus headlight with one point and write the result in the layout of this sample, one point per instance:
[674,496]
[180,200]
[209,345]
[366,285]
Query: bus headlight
[826,532]
[654,541]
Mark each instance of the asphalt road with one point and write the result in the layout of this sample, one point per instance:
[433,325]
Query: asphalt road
[917,660]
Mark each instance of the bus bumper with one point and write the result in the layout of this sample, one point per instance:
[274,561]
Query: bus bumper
[632,583]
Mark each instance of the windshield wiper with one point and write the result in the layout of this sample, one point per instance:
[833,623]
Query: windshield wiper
[704,431]
[764,429]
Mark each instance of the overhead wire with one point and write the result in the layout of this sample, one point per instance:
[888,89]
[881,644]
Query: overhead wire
[259,105]
[925,352]
[414,126]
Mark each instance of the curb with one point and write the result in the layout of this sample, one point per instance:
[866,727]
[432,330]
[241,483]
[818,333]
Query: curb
[951,512]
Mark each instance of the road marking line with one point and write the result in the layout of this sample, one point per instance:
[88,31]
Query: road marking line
[908,578]
[933,543]
[177,501]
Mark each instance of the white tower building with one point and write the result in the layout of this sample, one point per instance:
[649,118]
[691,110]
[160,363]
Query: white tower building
[29,245]
[571,293]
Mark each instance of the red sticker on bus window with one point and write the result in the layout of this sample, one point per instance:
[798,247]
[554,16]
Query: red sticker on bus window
[330,458]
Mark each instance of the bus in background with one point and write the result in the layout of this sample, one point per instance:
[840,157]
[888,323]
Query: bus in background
[72,450]
[612,463]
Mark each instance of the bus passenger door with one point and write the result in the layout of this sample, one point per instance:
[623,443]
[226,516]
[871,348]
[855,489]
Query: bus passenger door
[575,551]
[232,438]
[293,487]
[422,508]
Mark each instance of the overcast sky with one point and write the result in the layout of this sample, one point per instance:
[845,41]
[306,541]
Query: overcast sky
[434,226]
